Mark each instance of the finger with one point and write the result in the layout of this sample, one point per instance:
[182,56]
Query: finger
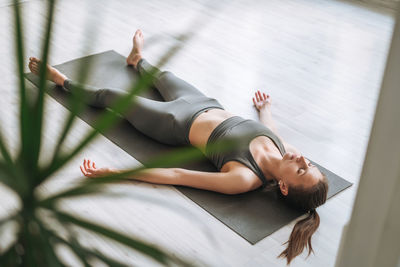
[257,97]
[265,96]
[94,167]
[254,101]
[84,173]
[260,96]
[87,166]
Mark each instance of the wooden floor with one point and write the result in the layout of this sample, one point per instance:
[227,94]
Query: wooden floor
[321,61]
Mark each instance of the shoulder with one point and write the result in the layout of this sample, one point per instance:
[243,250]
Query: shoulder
[244,177]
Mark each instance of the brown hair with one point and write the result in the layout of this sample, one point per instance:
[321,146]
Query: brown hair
[307,199]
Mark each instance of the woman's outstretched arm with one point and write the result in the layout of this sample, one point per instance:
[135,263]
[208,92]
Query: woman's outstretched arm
[262,102]
[221,182]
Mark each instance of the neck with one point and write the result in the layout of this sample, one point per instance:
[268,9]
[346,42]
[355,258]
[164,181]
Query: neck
[270,162]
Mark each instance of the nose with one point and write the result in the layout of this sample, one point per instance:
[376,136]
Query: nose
[301,159]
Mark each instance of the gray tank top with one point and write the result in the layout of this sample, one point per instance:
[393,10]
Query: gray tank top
[241,132]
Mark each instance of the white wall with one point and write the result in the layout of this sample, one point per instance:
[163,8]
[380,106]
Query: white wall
[372,237]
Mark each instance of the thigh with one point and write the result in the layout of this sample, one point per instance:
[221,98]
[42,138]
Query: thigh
[171,87]
[155,119]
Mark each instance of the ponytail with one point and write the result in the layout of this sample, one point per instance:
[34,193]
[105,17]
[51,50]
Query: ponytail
[305,199]
[300,237]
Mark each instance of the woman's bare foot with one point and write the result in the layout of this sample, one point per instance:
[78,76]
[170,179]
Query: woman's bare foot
[52,74]
[136,53]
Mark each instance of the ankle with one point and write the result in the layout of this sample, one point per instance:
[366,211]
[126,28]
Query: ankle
[135,60]
[139,59]
[62,80]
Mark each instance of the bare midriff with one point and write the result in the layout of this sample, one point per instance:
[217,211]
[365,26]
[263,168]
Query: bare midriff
[204,124]
[201,130]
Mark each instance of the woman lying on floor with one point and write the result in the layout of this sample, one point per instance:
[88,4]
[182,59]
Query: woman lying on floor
[190,117]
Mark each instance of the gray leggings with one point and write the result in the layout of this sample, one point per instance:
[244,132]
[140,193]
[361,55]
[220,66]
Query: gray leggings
[167,122]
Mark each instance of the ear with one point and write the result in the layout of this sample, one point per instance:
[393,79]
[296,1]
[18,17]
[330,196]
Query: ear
[284,188]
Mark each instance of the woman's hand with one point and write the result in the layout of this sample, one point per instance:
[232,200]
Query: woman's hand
[89,169]
[261,100]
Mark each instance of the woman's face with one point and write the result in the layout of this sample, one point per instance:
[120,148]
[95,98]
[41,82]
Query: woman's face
[295,170]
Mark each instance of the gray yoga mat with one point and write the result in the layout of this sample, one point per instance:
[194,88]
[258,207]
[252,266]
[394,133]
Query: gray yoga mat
[253,215]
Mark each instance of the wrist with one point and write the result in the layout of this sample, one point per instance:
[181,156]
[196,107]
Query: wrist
[114,171]
[264,111]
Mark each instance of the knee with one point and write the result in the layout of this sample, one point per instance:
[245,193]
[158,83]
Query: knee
[165,75]
[103,93]
[104,97]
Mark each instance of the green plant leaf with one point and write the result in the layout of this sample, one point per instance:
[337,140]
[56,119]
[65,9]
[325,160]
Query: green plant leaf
[10,257]
[85,252]
[107,260]
[73,192]
[77,249]
[48,248]
[6,178]
[24,105]
[58,239]
[4,151]
[140,246]
[35,134]
[11,177]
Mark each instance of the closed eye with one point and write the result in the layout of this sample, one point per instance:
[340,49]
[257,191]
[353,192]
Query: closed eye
[300,169]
